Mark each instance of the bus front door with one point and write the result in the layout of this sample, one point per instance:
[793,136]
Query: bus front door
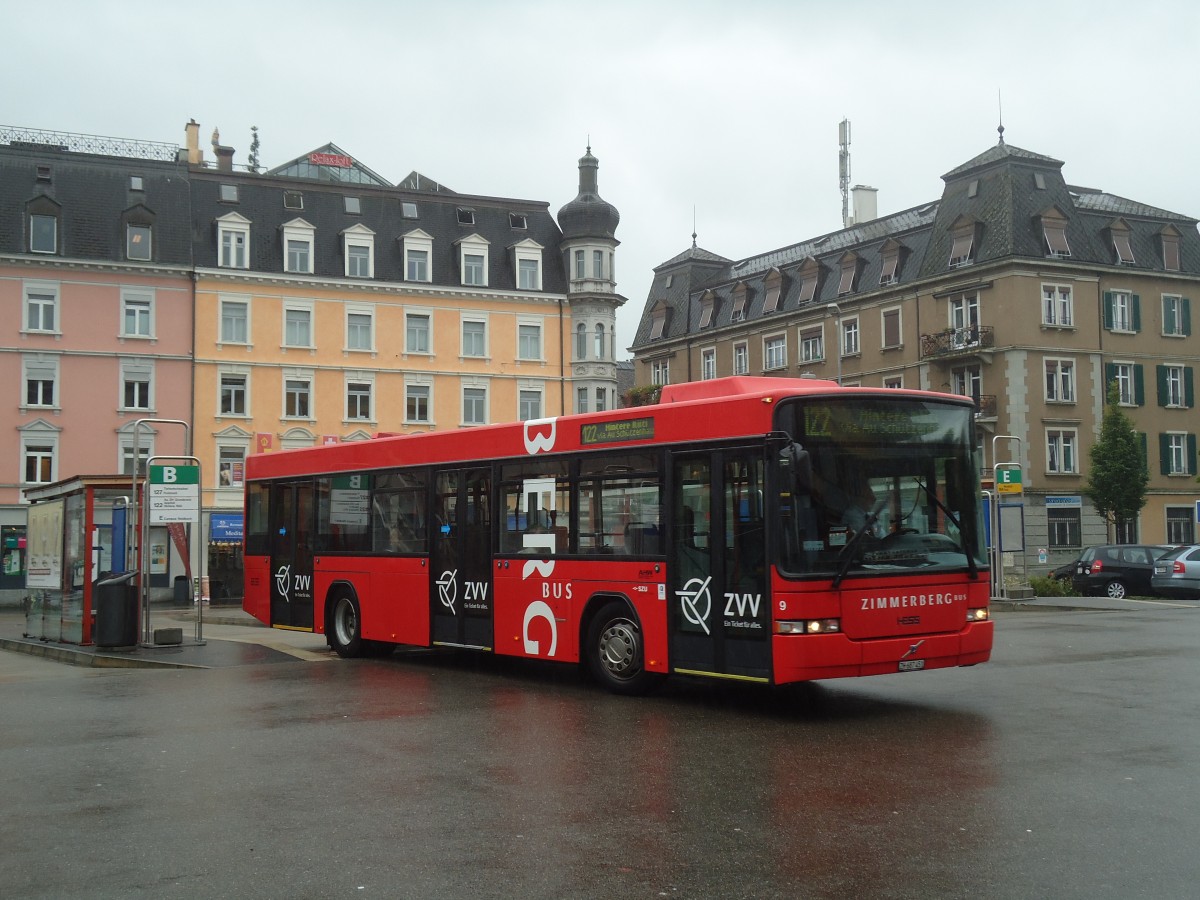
[720,617]
[461,589]
[291,531]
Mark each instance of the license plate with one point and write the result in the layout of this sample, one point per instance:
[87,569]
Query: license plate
[911,665]
[1160,570]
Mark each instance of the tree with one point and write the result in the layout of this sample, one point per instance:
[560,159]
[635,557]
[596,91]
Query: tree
[253,162]
[1119,477]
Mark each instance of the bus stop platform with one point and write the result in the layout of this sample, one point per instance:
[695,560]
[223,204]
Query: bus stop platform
[231,637]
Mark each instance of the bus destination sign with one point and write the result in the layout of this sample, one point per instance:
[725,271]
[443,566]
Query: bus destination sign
[620,430]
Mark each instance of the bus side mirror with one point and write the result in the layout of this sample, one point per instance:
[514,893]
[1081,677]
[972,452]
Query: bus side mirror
[796,461]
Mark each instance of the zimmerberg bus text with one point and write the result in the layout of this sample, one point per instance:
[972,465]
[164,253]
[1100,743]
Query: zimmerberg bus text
[909,601]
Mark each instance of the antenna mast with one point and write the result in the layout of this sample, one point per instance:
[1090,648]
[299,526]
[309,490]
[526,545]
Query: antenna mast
[844,169]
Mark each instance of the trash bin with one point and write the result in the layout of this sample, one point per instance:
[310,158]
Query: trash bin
[116,611]
[183,591]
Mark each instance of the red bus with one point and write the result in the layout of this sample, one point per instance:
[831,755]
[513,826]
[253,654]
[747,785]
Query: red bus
[760,529]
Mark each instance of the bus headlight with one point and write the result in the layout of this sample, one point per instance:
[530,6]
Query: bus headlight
[809,626]
[977,615]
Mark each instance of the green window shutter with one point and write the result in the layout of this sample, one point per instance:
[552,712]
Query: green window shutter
[1135,303]
[1162,385]
[1164,454]
[1139,385]
[1110,375]
[1189,394]
[1191,451]
[1185,311]
[1142,439]
[1108,310]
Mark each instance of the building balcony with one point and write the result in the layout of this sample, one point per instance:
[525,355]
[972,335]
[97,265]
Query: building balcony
[957,342]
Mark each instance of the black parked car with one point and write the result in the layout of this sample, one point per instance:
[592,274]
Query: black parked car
[1066,571]
[1117,570]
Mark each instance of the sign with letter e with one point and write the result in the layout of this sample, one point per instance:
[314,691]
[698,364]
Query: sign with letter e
[174,494]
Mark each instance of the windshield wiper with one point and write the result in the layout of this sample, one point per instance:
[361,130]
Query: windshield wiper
[972,568]
[872,518]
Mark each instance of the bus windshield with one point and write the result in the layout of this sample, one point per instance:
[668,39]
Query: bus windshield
[876,485]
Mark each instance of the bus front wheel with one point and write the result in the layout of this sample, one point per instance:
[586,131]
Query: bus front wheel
[345,628]
[616,651]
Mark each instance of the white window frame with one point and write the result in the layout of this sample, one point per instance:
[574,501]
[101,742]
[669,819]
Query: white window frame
[775,352]
[601,336]
[482,322]
[1122,312]
[231,226]
[1177,453]
[1062,451]
[851,337]
[1173,302]
[1176,386]
[527,251]
[299,306]
[893,382]
[411,318]
[581,341]
[232,300]
[418,241]
[812,344]
[125,442]
[358,237]
[581,400]
[35,436]
[228,462]
[660,372]
[300,232]
[415,385]
[306,377]
[138,299]
[354,382]
[526,392]
[965,317]
[368,313]
[741,358]
[40,368]
[474,384]
[473,245]
[233,372]
[523,331]
[147,254]
[1058,306]
[1059,380]
[136,371]
[48,297]
[52,250]
[708,363]
[1124,375]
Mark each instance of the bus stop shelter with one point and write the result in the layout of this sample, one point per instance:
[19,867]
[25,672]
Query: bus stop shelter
[79,535]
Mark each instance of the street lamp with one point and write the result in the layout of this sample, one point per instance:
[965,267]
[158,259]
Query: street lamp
[834,310]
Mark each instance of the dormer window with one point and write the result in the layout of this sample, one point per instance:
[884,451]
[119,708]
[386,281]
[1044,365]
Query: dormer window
[418,249]
[1121,246]
[137,244]
[658,321]
[466,216]
[708,308]
[293,200]
[233,241]
[889,274]
[773,287]
[43,234]
[740,295]
[849,265]
[358,247]
[473,261]
[298,240]
[1170,248]
[1054,232]
[527,261]
[518,221]
[962,248]
[810,272]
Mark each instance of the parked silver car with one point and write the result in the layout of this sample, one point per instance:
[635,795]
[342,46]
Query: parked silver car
[1178,573]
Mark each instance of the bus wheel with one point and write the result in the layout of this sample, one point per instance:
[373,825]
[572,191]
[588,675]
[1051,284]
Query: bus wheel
[345,628]
[615,651]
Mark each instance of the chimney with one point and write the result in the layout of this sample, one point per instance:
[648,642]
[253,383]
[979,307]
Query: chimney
[866,203]
[195,156]
[224,158]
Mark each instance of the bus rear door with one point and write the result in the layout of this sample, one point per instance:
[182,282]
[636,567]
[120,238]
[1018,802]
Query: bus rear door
[718,578]
[461,589]
[291,534]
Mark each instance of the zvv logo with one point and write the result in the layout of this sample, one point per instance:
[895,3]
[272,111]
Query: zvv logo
[447,585]
[694,597]
[283,582]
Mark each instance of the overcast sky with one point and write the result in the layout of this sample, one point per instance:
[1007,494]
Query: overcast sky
[729,109]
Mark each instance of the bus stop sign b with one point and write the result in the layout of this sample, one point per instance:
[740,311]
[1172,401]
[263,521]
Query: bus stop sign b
[174,493]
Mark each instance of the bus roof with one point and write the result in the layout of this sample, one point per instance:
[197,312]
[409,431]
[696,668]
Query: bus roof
[738,406]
